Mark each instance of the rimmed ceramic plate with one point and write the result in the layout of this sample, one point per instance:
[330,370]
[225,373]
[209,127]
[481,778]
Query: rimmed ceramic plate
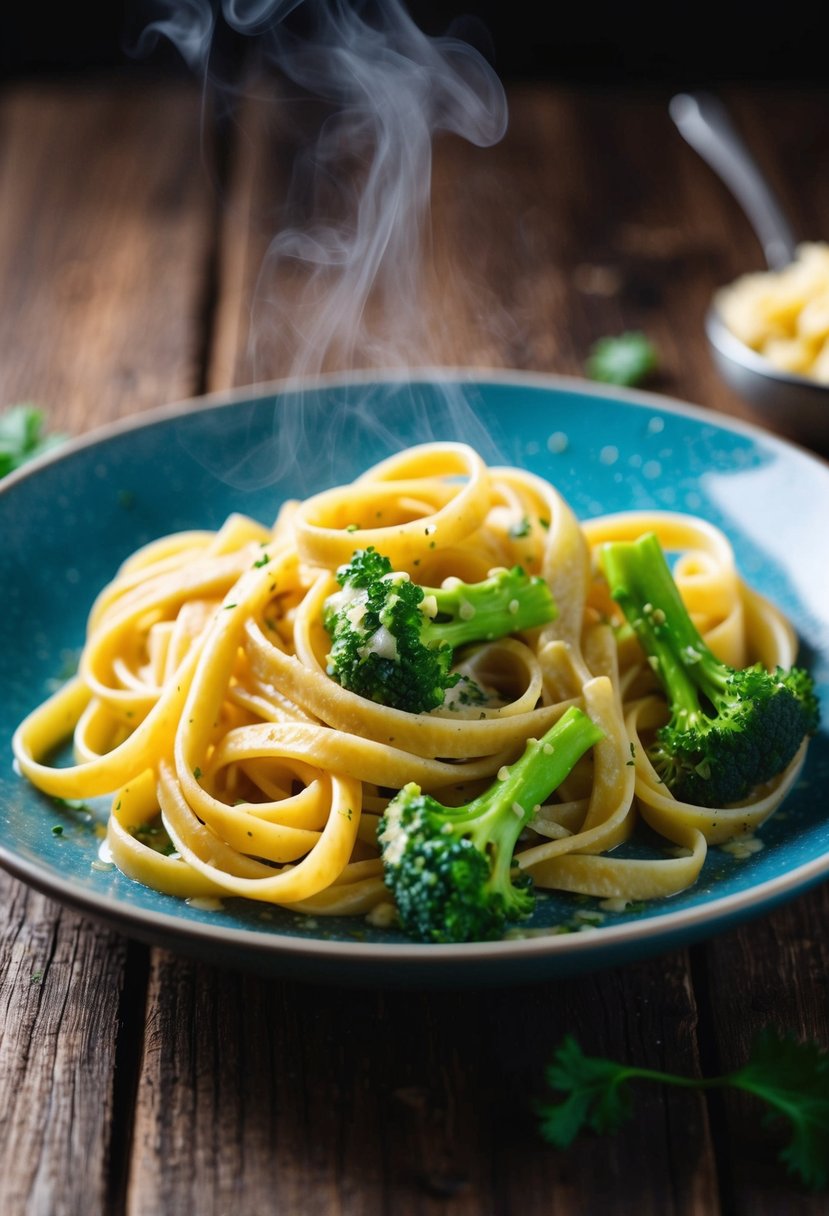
[69,520]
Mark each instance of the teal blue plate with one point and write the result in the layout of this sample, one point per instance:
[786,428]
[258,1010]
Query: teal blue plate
[70,519]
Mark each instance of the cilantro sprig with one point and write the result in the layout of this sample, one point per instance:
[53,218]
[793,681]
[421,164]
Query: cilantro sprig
[627,359]
[23,436]
[790,1077]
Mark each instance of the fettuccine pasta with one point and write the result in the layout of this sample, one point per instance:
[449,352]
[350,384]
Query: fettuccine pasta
[203,707]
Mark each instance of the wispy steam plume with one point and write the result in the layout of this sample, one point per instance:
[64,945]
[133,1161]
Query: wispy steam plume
[342,283]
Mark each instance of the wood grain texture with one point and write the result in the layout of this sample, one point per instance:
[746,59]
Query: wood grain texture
[61,980]
[105,222]
[258,166]
[775,973]
[104,243]
[257,1096]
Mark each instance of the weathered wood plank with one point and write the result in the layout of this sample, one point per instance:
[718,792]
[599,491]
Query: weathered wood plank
[591,218]
[772,973]
[104,242]
[255,180]
[61,979]
[106,222]
[257,1095]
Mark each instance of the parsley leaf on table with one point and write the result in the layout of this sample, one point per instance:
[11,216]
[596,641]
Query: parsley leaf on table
[597,1096]
[627,359]
[23,436]
[792,1078]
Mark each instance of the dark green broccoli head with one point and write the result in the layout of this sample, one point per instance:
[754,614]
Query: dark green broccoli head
[443,884]
[451,870]
[750,734]
[394,641]
[730,729]
[377,650]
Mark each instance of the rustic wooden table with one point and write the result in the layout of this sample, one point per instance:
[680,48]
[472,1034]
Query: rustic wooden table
[136,1081]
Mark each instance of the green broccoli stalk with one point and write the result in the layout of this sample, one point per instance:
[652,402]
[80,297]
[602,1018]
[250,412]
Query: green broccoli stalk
[393,641]
[729,729]
[450,869]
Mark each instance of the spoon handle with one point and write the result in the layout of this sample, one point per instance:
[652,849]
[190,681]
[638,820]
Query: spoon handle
[704,123]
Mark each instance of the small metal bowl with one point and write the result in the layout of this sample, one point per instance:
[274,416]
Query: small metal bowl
[790,404]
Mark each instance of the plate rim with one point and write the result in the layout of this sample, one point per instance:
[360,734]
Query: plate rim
[546,946]
[654,931]
[641,398]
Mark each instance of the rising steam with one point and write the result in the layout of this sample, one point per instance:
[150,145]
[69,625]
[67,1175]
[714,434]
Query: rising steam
[341,286]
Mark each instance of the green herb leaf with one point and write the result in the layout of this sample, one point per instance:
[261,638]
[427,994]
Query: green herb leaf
[22,437]
[792,1078]
[628,359]
[596,1095]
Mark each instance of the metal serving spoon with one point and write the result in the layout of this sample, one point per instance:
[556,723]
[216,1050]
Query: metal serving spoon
[792,404]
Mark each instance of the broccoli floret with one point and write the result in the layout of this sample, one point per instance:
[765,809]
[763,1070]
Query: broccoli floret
[393,641]
[450,869]
[730,729]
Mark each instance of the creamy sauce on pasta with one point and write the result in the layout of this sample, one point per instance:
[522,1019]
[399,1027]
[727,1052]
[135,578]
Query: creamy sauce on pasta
[202,695]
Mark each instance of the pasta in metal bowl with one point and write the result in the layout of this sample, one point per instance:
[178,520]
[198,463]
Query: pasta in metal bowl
[784,314]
